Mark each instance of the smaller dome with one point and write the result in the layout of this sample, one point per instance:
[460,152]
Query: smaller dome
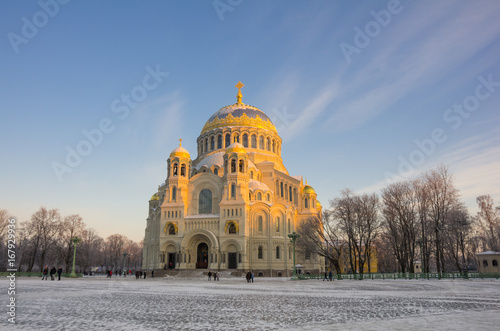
[155,197]
[318,205]
[308,189]
[180,151]
[235,148]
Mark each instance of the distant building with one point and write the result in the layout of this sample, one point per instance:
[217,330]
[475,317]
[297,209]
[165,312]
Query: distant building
[417,266]
[233,206]
[488,262]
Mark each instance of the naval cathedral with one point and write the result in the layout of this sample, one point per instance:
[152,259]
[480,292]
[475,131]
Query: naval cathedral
[233,206]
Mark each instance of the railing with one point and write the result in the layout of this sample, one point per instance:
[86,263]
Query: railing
[445,275]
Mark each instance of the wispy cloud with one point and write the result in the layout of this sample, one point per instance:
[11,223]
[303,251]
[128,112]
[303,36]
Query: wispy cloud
[438,49]
[473,162]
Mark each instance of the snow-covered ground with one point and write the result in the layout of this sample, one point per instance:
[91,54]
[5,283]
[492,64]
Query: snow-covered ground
[268,304]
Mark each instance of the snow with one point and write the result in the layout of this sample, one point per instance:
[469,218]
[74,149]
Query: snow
[268,304]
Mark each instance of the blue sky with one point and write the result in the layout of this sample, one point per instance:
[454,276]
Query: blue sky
[361,93]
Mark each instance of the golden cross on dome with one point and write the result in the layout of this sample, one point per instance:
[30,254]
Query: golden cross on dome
[239,95]
[180,142]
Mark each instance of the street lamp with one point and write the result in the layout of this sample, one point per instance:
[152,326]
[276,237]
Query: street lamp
[124,255]
[75,241]
[293,236]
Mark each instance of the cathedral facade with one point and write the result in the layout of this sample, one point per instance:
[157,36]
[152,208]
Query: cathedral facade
[233,206]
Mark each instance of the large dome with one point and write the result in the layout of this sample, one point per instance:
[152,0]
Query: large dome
[239,114]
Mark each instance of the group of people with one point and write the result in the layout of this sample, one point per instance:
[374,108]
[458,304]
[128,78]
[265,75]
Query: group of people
[329,278]
[53,271]
[215,275]
[249,277]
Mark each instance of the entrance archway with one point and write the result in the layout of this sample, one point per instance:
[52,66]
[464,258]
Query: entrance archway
[202,256]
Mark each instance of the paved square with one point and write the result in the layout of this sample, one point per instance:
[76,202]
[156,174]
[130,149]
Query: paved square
[268,304]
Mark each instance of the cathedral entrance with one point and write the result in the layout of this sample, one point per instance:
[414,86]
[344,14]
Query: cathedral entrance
[202,259]
[232,260]
[171,260]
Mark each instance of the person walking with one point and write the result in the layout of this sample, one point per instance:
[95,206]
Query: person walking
[326,277]
[52,272]
[45,273]
[59,272]
[252,276]
[330,275]
[209,275]
[152,273]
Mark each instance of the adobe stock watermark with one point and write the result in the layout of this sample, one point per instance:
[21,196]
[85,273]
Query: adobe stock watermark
[363,37]
[281,119]
[454,116]
[95,136]
[31,26]
[222,6]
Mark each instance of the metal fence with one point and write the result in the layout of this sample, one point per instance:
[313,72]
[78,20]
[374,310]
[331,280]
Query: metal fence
[445,275]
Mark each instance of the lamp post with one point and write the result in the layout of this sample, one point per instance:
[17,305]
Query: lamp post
[293,236]
[124,255]
[75,241]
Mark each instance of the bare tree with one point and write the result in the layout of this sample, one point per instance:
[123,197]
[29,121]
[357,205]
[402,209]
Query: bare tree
[72,226]
[322,237]
[115,247]
[488,218]
[401,221]
[456,238]
[443,197]
[358,218]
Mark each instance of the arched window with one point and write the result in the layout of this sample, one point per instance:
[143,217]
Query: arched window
[290,253]
[245,140]
[228,140]
[288,225]
[168,214]
[259,224]
[232,228]
[485,263]
[233,166]
[249,196]
[205,202]
[290,193]
[306,202]
[274,146]
[277,224]
[307,255]
[206,145]
[174,193]
[241,166]
[171,229]
[281,187]
[251,174]
[259,196]
[259,252]
[212,143]
[268,144]
[174,172]
[268,197]
[261,142]
[216,171]
[233,191]
[183,170]
[494,263]
[277,252]
[254,141]
[219,141]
